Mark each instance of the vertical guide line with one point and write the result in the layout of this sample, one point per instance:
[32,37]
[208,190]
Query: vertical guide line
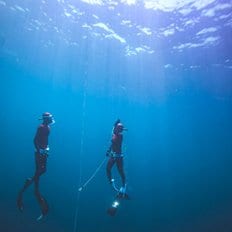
[81,155]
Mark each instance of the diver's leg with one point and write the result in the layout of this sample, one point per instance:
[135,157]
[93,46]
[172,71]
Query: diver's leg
[41,167]
[38,173]
[119,163]
[41,200]
[30,180]
[41,164]
[27,183]
[109,166]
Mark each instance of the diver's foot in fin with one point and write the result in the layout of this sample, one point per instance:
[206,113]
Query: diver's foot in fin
[44,206]
[122,193]
[123,196]
[27,183]
[122,190]
[112,211]
[40,218]
[44,209]
[42,203]
[20,202]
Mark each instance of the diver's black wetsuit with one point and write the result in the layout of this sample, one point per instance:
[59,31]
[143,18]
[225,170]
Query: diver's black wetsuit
[41,143]
[115,151]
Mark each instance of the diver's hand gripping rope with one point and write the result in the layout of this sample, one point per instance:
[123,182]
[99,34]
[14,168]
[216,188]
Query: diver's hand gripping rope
[93,175]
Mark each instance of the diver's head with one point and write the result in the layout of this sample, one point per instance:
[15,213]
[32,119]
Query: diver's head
[119,128]
[47,118]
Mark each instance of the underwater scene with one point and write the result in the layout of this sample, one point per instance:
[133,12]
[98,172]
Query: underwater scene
[116,115]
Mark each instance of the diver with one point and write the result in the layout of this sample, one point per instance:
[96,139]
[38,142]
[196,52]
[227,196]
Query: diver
[41,155]
[115,156]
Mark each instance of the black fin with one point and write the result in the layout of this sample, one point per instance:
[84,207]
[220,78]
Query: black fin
[44,206]
[123,196]
[20,201]
[112,211]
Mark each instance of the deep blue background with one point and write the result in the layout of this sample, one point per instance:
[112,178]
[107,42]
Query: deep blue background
[177,149]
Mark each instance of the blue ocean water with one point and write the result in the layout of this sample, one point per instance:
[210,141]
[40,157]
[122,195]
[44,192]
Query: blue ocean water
[163,67]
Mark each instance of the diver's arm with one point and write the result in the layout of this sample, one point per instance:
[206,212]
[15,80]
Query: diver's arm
[36,143]
[110,147]
[113,138]
[109,150]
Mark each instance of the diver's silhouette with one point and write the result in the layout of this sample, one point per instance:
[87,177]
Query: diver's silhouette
[41,154]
